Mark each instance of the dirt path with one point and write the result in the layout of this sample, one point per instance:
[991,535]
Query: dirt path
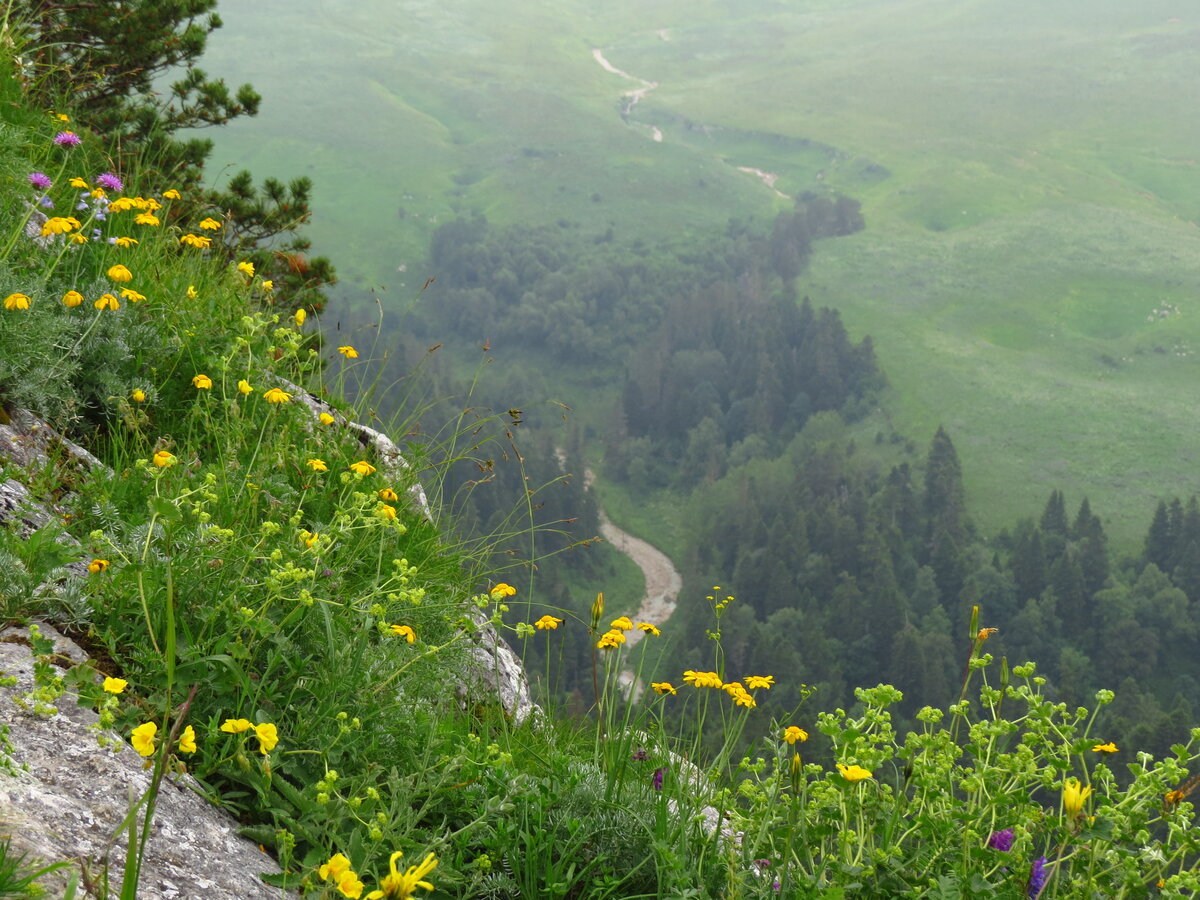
[633,96]
[767,178]
[662,579]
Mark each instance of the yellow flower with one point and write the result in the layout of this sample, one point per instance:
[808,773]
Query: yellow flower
[308,538]
[754,682]
[267,736]
[199,241]
[395,886]
[702,679]
[276,395]
[246,268]
[502,590]
[318,465]
[171,194]
[386,512]
[649,629]
[853,773]
[143,738]
[163,458]
[148,203]
[389,495]
[792,733]
[348,352]
[362,467]
[78,238]
[334,868]
[326,419]
[985,633]
[187,740]
[132,295]
[192,293]
[202,382]
[1110,747]
[663,687]
[1174,798]
[547,623]
[97,565]
[1074,796]
[210,224]
[349,885]
[98,193]
[72,298]
[236,726]
[268,285]
[59,225]
[244,387]
[146,218]
[121,204]
[119,273]
[741,698]
[137,395]
[621,624]
[404,631]
[125,242]
[298,317]
[107,301]
[78,183]
[16,301]
[115,685]
[611,640]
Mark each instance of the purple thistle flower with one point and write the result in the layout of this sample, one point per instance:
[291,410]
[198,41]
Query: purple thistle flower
[1001,840]
[658,777]
[67,139]
[40,180]
[110,181]
[1037,878]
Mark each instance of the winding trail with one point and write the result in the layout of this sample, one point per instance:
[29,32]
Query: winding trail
[662,578]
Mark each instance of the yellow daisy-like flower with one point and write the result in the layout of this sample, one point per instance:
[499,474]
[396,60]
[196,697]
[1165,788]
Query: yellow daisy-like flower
[741,698]
[317,465]
[361,467]
[754,682]
[334,868]
[98,565]
[703,679]
[171,194]
[148,203]
[120,273]
[98,193]
[146,218]
[199,241]
[663,687]
[244,387]
[610,640]
[326,419]
[163,458]
[389,495]
[114,685]
[246,268]
[350,885]
[202,382]
[1110,747]
[137,395]
[385,511]
[210,224]
[236,726]
[268,737]
[132,295]
[502,590]
[853,773]
[395,886]
[121,204]
[268,285]
[143,738]
[72,298]
[107,301]
[299,316]
[348,352]
[792,733]
[621,624]
[78,183]
[77,237]
[651,630]
[548,623]
[16,301]
[192,293]
[275,395]
[187,740]
[1074,796]
[59,225]
[404,631]
[125,242]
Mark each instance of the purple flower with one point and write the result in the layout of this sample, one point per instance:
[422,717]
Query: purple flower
[110,181]
[1001,840]
[46,202]
[1037,878]
[641,755]
[658,777]
[67,139]
[40,180]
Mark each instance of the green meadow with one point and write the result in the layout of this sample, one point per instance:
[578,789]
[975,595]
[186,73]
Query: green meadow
[1028,173]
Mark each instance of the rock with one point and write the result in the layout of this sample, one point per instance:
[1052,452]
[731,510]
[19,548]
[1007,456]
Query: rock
[63,798]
